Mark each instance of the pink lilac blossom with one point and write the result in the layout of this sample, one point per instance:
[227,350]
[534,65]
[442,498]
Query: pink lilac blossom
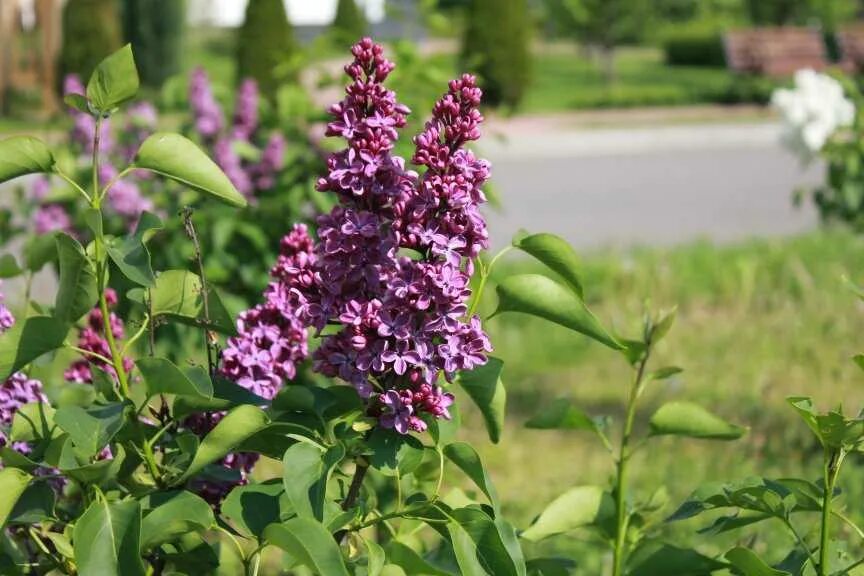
[249,177]
[402,320]
[18,390]
[92,339]
[51,218]
[246,110]
[205,109]
[124,196]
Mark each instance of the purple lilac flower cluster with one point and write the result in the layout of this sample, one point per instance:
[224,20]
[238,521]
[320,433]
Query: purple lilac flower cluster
[271,341]
[18,390]
[403,318]
[249,176]
[271,338]
[92,339]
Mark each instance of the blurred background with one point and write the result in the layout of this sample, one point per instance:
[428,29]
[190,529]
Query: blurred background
[639,130]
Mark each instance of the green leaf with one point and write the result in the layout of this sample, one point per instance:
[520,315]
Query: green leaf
[39,250]
[466,458]
[550,567]
[178,294]
[9,266]
[130,253]
[577,508]
[178,158]
[78,290]
[114,81]
[21,155]
[28,340]
[375,557]
[654,558]
[78,102]
[91,429]
[239,424]
[169,515]
[465,550]
[407,558]
[161,376]
[750,564]
[833,429]
[36,504]
[483,384]
[692,421]
[543,297]
[556,253]
[306,471]
[308,542]
[31,422]
[562,415]
[226,395]
[253,507]
[106,539]
[393,452]
[664,373]
[497,545]
[13,482]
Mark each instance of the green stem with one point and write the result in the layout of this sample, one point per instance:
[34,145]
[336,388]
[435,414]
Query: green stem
[484,276]
[74,184]
[102,281]
[624,453]
[84,352]
[137,335]
[831,469]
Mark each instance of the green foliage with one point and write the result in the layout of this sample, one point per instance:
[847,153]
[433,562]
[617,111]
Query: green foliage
[694,47]
[155,30]
[499,54]
[91,29]
[265,44]
[349,23]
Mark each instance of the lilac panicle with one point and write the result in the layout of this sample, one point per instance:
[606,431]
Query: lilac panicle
[92,339]
[206,111]
[271,340]
[18,390]
[246,110]
[402,320]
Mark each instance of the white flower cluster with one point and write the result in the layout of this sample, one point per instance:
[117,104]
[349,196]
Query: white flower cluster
[812,112]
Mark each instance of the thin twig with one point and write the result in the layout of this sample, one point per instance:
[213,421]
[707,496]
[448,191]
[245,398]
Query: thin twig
[210,340]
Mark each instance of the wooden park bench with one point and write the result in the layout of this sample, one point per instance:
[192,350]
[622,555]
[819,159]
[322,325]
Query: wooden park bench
[774,51]
[851,41]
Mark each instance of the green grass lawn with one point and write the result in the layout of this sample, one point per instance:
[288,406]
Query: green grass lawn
[757,322]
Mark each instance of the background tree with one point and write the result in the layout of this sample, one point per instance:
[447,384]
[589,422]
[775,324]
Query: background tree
[91,29]
[496,47]
[155,30]
[349,24]
[265,44]
[607,24]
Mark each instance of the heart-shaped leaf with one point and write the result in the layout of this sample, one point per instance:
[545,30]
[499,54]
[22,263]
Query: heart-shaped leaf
[545,298]
[238,425]
[310,544]
[78,291]
[21,155]
[106,539]
[161,376]
[749,564]
[114,81]
[466,458]
[693,421]
[27,340]
[253,507]
[178,158]
[577,508]
[130,253]
[306,471]
[556,253]
[483,384]
[13,482]
[169,515]
[91,428]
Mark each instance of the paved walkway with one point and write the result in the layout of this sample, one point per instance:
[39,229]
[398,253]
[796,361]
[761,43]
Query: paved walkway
[653,185]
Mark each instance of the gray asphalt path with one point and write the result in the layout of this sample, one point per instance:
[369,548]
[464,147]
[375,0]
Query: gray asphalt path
[658,186]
